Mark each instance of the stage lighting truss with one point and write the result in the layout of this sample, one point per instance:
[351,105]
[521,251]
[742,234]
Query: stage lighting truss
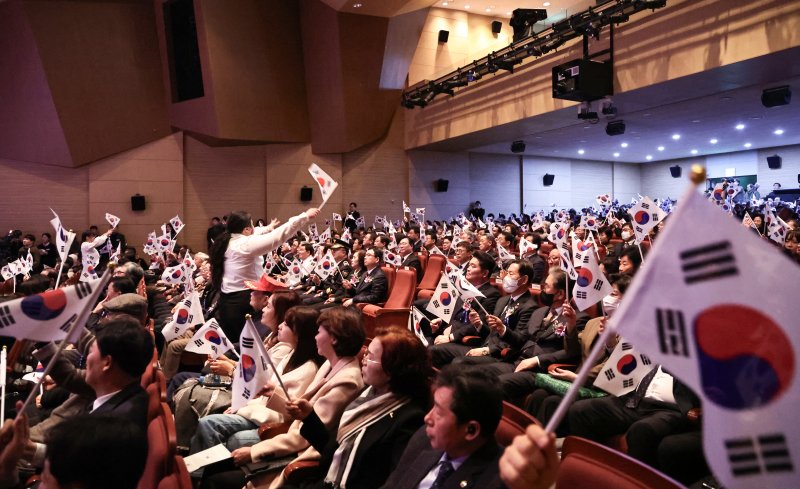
[589,23]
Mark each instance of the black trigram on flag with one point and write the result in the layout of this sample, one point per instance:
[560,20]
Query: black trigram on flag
[645,360]
[609,373]
[626,346]
[580,294]
[65,327]
[436,304]
[6,318]
[750,456]
[645,205]
[199,342]
[671,332]
[627,383]
[708,262]
[82,289]
[246,393]
[446,311]
[247,342]
[598,284]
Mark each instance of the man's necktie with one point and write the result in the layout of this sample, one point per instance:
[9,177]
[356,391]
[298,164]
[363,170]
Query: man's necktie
[640,391]
[445,470]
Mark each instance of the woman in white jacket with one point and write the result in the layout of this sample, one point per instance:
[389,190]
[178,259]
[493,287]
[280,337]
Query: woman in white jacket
[239,428]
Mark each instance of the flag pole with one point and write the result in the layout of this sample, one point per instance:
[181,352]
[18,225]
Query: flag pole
[3,372]
[639,245]
[77,323]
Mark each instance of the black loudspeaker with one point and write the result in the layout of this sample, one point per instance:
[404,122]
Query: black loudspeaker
[675,171]
[518,147]
[138,203]
[306,193]
[775,97]
[582,80]
[774,162]
[443,36]
[442,184]
[496,26]
[615,128]
[547,180]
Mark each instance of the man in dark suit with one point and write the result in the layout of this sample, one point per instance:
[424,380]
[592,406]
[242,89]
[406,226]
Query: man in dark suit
[628,240]
[456,448]
[537,262]
[544,343]
[331,287]
[657,408]
[373,286]
[460,331]
[511,313]
[410,259]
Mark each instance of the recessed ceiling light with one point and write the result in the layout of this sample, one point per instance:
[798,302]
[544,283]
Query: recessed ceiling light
[546,4]
[488,9]
[739,126]
[747,145]
[580,151]
[660,148]
[624,145]
[695,121]
[444,4]
[726,99]
[616,155]
[778,132]
[359,5]
[646,114]
[713,141]
[649,157]
[694,151]
[508,13]
[466,7]
[675,137]
[755,117]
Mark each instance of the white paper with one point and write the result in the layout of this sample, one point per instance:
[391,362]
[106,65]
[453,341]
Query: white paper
[206,457]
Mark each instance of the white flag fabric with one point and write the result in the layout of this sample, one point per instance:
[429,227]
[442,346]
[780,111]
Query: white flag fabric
[312,231]
[4,366]
[436,251]
[503,254]
[421,211]
[776,227]
[443,302]
[603,199]
[326,184]
[49,315]
[177,224]
[717,309]
[465,289]
[748,222]
[176,275]
[589,222]
[295,272]
[209,340]
[558,232]
[346,236]
[580,248]
[326,266]
[415,319]
[591,285]
[64,238]
[6,273]
[252,372]
[392,258]
[188,313]
[623,370]
[337,217]
[112,220]
[568,267]
[646,215]
[406,209]
[326,235]
[116,254]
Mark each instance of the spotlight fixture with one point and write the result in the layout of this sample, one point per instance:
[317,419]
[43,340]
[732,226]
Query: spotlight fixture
[609,109]
[774,97]
[585,113]
[456,82]
[523,19]
[518,146]
[473,75]
[615,128]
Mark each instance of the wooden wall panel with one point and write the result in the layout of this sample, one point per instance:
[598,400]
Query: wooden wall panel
[155,171]
[218,181]
[31,190]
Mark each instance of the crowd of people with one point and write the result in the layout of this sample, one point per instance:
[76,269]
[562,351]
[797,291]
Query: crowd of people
[373,408]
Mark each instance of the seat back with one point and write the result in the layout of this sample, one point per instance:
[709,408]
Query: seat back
[179,477]
[161,442]
[405,284]
[585,463]
[423,259]
[514,422]
[433,270]
[389,271]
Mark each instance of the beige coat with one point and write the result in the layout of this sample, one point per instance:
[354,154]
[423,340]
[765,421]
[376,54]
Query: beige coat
[296,383]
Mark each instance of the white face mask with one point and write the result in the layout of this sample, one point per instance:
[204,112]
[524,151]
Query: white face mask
[510,284]
[610,304]
[626,235]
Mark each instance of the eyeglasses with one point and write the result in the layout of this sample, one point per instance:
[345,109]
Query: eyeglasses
[369,254]
[368,358]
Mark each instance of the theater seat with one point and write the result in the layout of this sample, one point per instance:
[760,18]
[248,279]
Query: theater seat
[179,477]
[433,270]
[396,309]
[585,463]
[161,442]
[513,422]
